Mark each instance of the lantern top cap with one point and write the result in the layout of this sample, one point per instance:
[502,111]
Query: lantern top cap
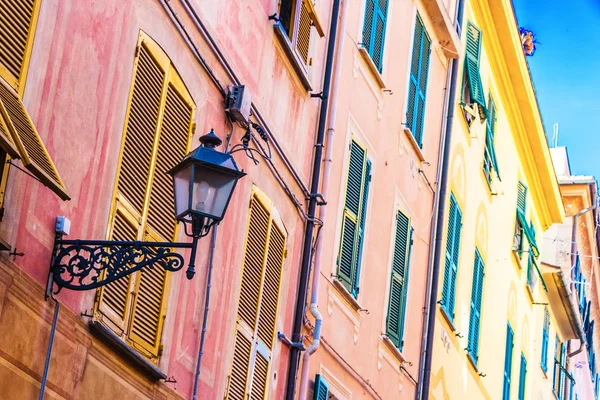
[210,140]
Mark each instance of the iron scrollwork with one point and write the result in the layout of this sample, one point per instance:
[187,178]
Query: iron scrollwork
[90,264]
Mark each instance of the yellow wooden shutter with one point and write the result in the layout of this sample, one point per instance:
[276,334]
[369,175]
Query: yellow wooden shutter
[31,149]
[17,25]
[259,297]
[303,30]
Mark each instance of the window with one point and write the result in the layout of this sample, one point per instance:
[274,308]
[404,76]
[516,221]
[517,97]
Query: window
[508,353]
[522,377]
[518,243]
[475,309]
[417,86]
[374,30]
[19,138]
[354,217]
[472,94]
[451,261]
[297,17]
[560,370]
[399,280]
[258,302]
[460,10]
[321,389]
[545,333]
[490,164]
[157,133]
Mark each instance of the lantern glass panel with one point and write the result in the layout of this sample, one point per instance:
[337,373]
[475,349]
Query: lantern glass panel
[181,182]
[211,191]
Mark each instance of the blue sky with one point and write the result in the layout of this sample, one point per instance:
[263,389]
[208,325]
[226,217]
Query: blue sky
[566,74]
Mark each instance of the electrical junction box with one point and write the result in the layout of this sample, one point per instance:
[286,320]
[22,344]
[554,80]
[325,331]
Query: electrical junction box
[239,103]
[63,226]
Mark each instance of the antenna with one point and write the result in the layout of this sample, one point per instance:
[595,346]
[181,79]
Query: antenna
[554,142]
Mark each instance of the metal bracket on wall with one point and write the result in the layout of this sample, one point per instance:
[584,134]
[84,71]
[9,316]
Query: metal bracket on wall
[288,342]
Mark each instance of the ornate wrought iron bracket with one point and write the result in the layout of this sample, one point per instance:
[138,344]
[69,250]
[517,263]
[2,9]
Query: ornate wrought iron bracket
[90,264]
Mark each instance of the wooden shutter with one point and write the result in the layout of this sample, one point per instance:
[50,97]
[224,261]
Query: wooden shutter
[475,307]
[472,66]
[354,217]
[545,332]
[522,377]
[17,26]
[508,362]
[489,134]
[157,136]
[451,261]
[321,389]
[25,137]
[399,279]
[258,301]
[522,199]
[302,31]
[417,89]
[374,30]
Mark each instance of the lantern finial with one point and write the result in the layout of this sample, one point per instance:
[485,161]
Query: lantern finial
[210,140]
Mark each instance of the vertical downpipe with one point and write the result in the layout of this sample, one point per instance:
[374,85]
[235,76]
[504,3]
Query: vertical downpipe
[312,205]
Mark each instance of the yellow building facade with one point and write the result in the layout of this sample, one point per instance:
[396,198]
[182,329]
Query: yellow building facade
[497,317]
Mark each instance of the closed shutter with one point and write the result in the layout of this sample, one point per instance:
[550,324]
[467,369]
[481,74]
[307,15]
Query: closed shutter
[374,30]
[25,138]
[522,377]
[522,199]
[354,217]
[472,67]
[475,307]
[321,389]
[399,279]
[417,87]
[545,332]
[452,254]
[17,26]
[157,135]
[508,363]
[258,301]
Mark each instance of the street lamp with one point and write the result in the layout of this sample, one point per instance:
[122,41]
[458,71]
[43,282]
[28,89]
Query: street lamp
[203,185]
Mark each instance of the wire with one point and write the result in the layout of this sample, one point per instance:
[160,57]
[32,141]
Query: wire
[24,171]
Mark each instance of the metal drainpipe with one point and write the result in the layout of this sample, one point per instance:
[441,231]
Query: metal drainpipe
[312,205]
[314,305]
[435,267]
[49,351]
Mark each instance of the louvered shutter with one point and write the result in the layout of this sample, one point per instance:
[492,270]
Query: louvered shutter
[490,128]
[258,302]
[399,279]
[452,253]
[545,332]
[321,389]
[449,253]
[374,30]
[508,363]
[522,377]
[475,307]
[522,199]
[134,174]
[302,33]
[25,138]
[472,66]
[17,25]
[361,227]
[417,91]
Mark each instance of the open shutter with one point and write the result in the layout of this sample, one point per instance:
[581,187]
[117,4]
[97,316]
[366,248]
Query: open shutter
[303,31]
[398,279]
[508,362]
[490,129]
[522,377]
[449,253]
[472,66]
[26,139]
[522,199]
[321,389]
[475,307]
[361,230]
[346,258]
[374,30]
[418,81]
[17,24]
[545,331]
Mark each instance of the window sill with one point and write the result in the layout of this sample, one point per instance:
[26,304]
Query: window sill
[125,351]
[448,319]
[443,27]
[414,144]
[391,347]
[297,64]
[347,296]
[372,67]
[4,246]
[544,372]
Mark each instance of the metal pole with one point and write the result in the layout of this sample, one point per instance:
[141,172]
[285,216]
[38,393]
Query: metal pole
[49,352]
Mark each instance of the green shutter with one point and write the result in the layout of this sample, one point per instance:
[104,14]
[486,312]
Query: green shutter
[399,279]
[489,133]
[475,309]
[545,332]
[522,377]
[508,362]
[451,261]
[321,389]
[522,199]
[415,113]
[374,30]
[472,66]
[354,218]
